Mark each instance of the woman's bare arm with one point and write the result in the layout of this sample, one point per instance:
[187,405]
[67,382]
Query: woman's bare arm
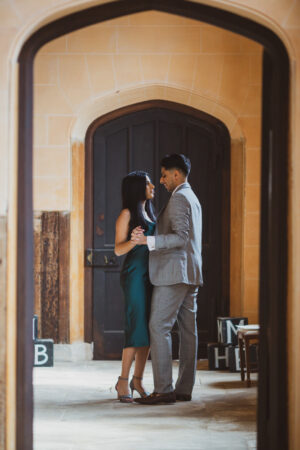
[122,245]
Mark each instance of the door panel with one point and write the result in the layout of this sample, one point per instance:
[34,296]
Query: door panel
[138,141]
[143,144]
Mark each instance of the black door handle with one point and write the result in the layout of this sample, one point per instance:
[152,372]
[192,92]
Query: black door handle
[100,258]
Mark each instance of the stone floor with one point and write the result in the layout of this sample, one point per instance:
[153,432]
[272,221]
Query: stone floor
[76,408]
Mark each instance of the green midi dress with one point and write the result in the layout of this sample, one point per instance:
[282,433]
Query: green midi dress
[137,292]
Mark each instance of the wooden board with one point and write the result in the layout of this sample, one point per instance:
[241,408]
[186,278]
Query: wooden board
[52,273]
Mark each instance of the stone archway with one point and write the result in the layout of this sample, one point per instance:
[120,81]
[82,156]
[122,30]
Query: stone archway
[115,102]
[274,204]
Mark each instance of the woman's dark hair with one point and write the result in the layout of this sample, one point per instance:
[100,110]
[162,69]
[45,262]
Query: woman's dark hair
[177,161]
[133,196]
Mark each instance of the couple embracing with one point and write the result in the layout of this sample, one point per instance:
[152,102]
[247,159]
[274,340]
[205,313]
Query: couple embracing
[160,278]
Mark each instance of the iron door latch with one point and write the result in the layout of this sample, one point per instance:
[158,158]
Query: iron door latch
[100,258]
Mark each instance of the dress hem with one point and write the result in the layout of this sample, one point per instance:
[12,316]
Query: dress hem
[137,346]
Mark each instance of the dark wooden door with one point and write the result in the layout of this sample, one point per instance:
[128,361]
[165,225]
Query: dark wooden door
[139,140]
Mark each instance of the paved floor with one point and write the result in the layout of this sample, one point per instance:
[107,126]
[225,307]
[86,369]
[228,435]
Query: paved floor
[76,408]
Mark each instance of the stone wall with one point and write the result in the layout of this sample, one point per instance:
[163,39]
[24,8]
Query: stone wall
[142,51]
[3,329]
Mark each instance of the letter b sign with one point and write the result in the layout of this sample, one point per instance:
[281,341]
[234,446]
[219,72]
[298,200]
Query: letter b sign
[43,353]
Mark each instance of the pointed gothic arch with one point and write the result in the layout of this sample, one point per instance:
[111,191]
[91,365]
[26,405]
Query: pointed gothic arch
[272,407]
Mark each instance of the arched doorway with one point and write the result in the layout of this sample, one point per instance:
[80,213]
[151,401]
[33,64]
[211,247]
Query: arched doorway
[137,137]
[272,427]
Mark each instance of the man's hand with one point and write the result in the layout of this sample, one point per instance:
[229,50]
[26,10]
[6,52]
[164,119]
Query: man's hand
[138,237]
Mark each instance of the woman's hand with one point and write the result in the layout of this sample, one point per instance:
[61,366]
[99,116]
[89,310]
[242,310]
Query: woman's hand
[136,233]
[138,237]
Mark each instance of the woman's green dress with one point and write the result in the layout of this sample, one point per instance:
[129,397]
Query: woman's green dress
[137,291]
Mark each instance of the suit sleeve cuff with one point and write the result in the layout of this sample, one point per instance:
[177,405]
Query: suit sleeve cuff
[151,243]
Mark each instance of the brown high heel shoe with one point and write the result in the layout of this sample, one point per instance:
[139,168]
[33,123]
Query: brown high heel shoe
[142,393]
[123,398]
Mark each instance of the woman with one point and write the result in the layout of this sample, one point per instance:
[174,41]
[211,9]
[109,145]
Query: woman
[136,217]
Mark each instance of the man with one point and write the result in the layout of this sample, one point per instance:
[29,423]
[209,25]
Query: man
[175,269]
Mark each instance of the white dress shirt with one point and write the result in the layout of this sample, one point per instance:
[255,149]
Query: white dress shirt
[151,239]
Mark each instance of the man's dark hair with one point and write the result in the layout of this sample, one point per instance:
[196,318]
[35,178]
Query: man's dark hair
[176,161]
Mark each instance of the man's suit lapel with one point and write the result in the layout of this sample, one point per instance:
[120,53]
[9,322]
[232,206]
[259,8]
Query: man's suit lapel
[161,211]
[184,185]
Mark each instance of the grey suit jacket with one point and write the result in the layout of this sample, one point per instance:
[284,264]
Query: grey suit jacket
[178,240]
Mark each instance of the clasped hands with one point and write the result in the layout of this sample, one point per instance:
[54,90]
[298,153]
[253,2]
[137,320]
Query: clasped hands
[138,237]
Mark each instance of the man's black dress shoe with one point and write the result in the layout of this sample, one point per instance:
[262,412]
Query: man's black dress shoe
[183,397]
[156,399]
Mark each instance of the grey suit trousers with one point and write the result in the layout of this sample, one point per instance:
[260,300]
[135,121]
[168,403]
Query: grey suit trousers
[171,303]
